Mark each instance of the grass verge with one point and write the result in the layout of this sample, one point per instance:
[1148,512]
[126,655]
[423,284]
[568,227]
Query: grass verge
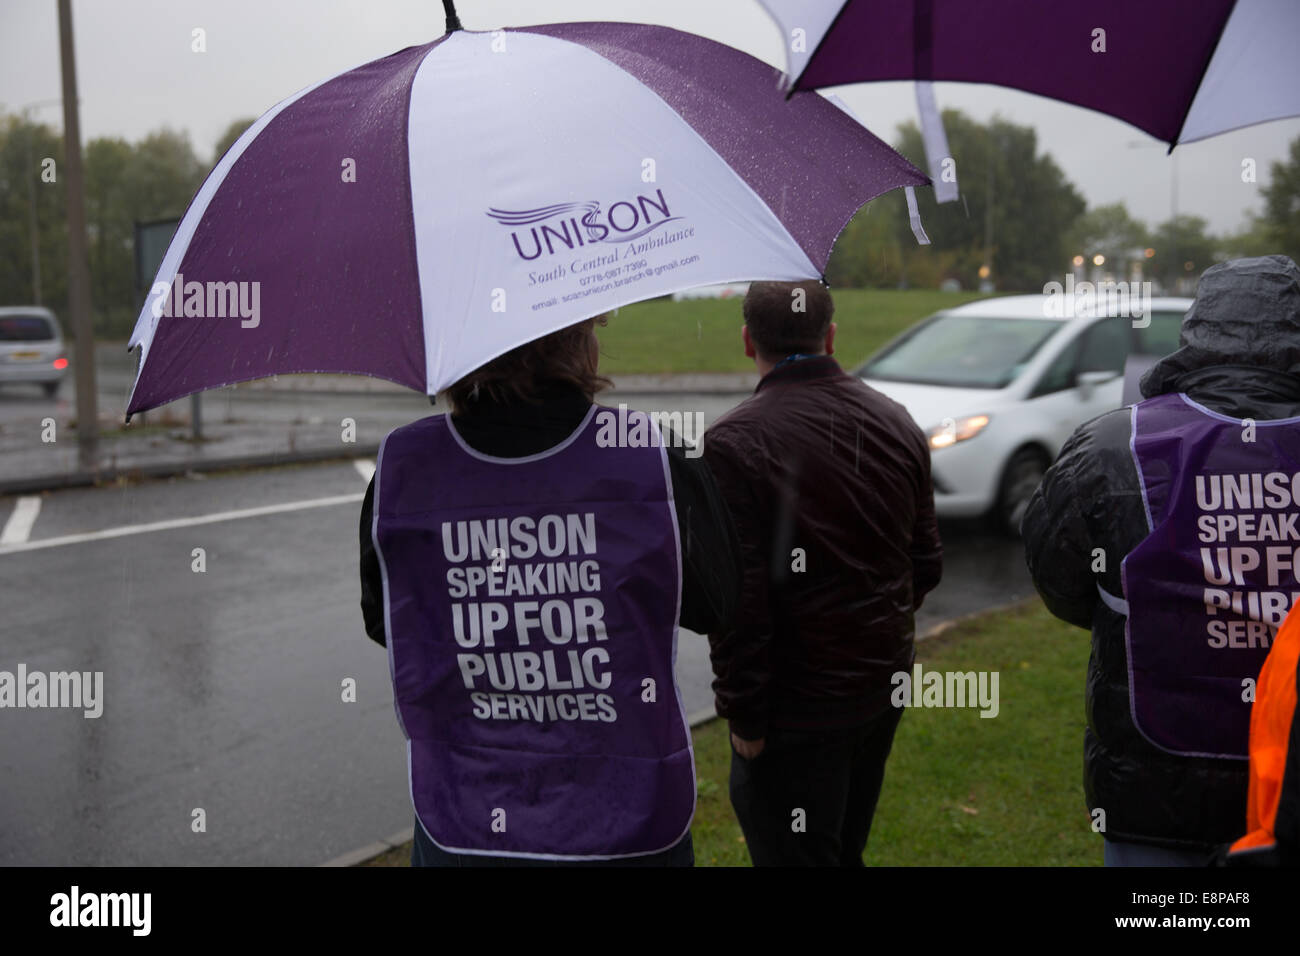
[703,335]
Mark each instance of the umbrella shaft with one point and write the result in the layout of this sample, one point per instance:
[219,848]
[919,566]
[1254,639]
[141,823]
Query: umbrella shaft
[453,21]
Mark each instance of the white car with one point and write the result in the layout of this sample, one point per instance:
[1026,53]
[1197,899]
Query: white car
[31,347]
[998,386]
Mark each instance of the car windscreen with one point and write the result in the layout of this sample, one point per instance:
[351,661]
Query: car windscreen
[962,351]
[25,328]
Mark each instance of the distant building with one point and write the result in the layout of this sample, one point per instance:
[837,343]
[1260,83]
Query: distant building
[724,290]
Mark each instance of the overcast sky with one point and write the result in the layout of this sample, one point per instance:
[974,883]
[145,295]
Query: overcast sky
[136,73]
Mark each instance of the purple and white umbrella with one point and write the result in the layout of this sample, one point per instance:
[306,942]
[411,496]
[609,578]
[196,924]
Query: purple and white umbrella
[417,216]
[1180,71]
[1177,70]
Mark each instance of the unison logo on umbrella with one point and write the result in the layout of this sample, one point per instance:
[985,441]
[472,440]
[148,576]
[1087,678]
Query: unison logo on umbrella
[571,225]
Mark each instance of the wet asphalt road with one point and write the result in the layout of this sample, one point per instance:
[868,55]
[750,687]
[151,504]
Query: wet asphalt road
[223,688]
[23,406]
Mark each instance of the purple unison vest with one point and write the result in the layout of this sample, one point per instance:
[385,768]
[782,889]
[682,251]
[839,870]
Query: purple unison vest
[1208,587]
[531,609]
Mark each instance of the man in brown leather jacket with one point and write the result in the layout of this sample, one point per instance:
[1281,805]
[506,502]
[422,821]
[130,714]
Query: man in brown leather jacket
[828,483]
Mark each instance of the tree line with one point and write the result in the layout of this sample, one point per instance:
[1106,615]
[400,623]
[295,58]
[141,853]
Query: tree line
[126,183]
[1018,222]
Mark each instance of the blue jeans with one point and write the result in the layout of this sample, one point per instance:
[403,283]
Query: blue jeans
[1140,854]
[427,853]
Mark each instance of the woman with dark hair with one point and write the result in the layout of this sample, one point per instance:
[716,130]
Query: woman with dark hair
[528,581]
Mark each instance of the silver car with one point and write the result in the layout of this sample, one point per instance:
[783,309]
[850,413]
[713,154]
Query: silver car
[999,384]
[31,347]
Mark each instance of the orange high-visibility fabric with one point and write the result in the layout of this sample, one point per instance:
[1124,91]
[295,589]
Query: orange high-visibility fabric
[1270,729]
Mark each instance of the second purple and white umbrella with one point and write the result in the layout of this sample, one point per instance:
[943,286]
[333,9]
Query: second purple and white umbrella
[416,217]
[1180,71]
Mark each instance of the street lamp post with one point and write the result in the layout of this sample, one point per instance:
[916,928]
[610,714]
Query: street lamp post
[1173,201]
[986,270]
[78,255]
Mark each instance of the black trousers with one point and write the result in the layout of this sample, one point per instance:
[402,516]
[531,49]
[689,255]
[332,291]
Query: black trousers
[808,798]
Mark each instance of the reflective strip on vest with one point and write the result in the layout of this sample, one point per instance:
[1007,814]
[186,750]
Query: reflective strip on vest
[531,609]
[1214,578]
[1116,604]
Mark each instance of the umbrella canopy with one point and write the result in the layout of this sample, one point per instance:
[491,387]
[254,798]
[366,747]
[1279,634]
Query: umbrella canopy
[418,216]
[1179,71]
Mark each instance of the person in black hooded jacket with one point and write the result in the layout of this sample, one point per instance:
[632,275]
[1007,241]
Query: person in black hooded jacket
[1239,357]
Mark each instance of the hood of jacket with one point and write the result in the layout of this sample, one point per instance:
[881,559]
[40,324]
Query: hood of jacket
[1244,324]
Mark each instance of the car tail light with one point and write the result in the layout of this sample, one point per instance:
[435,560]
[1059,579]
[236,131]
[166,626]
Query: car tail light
[60,362]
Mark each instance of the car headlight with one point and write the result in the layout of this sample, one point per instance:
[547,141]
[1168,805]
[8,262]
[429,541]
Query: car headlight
[952,430]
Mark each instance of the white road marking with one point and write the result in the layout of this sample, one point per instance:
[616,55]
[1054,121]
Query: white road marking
[173,523]
[366,467]
[19,526]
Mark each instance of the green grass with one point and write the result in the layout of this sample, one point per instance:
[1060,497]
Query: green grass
[703,335]
[960,790]
[1021,773]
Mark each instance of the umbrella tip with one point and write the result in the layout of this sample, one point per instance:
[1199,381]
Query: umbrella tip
[453,21]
